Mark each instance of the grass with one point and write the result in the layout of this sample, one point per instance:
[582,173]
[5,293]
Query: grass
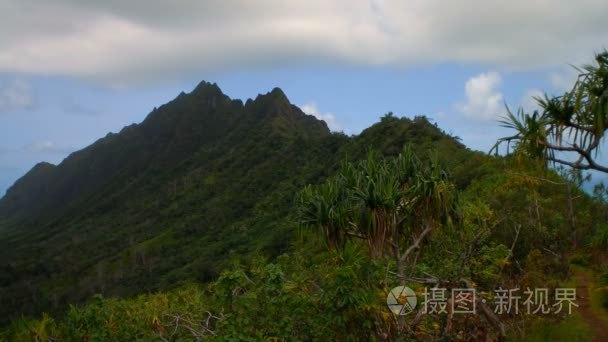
[599,300]
[572,328]
[598,293]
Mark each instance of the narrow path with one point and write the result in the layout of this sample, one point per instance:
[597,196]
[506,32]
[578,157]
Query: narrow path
[597,324]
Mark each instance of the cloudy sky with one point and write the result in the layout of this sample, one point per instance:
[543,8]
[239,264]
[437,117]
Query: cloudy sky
[71,71]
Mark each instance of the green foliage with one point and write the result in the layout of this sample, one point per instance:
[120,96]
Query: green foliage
[531,135]
[573,123]
[600,237]
[604,279]
[572,328]
[203,191]
[296,298]
[111,319]
[603,297]
[477,258]
[26,330]
[202,179]
[381,200]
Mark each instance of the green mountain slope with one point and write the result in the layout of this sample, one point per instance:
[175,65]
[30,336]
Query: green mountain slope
[201,179]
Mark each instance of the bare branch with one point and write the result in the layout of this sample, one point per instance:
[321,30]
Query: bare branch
[417,241]
[590,166]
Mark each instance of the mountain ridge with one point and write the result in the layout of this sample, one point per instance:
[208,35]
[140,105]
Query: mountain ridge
[202,178]
[156,122]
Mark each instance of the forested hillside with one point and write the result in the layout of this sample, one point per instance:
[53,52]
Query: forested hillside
[215,217]
[171,199]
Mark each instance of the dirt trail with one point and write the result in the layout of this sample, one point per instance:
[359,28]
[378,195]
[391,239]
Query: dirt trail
[598,325]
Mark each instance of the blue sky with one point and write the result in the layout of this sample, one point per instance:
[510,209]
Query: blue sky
[72,72]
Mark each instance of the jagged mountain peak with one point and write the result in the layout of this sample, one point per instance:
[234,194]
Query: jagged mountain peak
[207,88]
[275,96]
[188,184]
[278,93]
[169,135]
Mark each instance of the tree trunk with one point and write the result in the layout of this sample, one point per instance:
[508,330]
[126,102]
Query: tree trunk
[571,214]
[400,271]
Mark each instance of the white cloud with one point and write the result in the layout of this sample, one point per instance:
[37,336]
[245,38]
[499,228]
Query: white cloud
[484,101]
[15,95]
[141,40]
[329,118]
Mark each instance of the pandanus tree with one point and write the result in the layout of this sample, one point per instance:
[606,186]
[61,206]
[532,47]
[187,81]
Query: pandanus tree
[391,204]
[568,129]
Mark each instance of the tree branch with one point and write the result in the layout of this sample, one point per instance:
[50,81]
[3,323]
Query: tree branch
[584,153]
[417,241]
[577,165]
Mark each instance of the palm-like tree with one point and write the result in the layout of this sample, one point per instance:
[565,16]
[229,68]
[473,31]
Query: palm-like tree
[325,207]
[376,196]
[531,137]
[574,123]
[392,204]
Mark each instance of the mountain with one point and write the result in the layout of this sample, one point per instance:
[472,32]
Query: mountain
[203,179]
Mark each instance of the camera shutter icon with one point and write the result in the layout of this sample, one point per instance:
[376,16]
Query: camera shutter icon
[401,300]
